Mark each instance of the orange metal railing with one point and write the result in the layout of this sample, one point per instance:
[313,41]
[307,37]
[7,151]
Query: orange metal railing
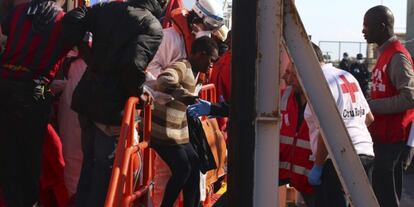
[123,189]
[130,157]
[208,93]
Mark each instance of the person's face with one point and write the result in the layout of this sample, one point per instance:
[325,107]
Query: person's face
[197,25]
[290,77]
[199,30]
[204,61]
[200,25]
[371,29]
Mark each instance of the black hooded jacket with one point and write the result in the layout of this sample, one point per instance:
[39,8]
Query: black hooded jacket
[126,36]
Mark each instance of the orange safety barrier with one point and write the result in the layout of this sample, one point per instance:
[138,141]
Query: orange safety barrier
[208,93]
[123,191]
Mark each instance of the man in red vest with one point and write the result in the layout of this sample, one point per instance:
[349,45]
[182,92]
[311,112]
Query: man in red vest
[295,148]
[392,103]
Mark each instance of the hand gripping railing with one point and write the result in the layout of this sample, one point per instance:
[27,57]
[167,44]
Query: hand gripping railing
[123,191]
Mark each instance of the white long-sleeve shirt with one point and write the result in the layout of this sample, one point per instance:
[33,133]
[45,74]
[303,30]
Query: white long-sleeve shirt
[172,48]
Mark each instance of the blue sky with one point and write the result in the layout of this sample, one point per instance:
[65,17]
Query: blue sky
[341,20]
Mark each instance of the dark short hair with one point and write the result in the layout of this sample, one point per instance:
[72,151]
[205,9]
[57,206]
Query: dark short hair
[204,44]
[318,52]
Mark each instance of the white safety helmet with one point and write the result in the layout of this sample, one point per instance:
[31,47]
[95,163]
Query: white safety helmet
[211,13]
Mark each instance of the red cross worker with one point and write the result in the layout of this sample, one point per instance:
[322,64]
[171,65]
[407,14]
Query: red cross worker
[356,115]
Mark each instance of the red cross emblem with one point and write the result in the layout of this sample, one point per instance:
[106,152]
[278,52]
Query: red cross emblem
[349,87]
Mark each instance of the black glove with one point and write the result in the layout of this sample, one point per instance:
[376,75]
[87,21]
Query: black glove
[407,156]
[42,12]
[39,92]
[40,88]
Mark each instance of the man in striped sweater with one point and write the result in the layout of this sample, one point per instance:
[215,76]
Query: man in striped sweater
[170,137]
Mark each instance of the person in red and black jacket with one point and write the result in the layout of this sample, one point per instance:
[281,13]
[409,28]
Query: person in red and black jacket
[33,50]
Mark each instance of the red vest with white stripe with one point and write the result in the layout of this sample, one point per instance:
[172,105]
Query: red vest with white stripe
[389,128]
[295,148]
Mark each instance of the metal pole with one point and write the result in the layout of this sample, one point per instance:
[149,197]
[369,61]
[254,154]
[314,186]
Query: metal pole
[341,151]
[266,159]
[242,111]
[339,51]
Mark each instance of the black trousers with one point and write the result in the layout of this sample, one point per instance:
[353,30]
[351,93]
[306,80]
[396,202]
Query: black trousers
[23,123]
[387,176]
[330,192]
[98,157]
[185,174]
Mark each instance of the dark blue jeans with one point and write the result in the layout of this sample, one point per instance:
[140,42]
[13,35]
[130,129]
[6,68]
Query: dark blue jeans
[387,176]
[98,157]
[330,193]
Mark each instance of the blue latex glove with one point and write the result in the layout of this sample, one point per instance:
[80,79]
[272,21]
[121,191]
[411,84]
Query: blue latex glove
[202,108]
[314,176]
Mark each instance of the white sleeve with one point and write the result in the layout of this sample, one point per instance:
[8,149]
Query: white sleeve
[307,114]
[364,102]
[158,62]
[171,49]
[410,141]
[313,126]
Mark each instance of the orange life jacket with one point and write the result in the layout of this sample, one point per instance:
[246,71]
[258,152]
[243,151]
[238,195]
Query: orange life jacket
[180,24]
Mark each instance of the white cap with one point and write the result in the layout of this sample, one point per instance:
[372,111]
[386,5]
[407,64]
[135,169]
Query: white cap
[211,13]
